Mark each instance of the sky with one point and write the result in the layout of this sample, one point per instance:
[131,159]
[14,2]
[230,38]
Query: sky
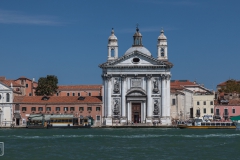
[69,38]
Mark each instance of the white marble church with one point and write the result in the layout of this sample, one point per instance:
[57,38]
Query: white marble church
[136,85]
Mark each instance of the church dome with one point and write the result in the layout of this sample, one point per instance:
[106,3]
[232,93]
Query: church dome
[162,36]
[138,48]
[112,36]
[137,44]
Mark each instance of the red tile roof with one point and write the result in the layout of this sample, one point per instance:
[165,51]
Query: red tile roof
[56,99]
[79,87]
[178,84]
[8,83]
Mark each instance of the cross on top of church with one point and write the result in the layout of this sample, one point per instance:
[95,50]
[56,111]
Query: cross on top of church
[137,27]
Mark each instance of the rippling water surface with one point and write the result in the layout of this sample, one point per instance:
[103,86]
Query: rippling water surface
[120,144]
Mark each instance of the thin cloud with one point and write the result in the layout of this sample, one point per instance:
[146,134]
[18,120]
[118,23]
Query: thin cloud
[13,17]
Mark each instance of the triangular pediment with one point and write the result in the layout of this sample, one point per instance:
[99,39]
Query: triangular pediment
[136,59]
[4,87]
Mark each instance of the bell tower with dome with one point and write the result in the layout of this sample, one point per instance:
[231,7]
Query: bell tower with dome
[112,47]
[136,85]
[162,47]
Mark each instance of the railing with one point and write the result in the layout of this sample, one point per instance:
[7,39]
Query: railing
[17,111]
[217,124]
[197,114]
[225,114]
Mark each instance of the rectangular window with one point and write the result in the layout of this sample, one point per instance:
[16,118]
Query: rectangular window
[98,118]
[73,94]
[24,109]
[225,111]
[17,107]
[233,110]
[40,108]
[48,108]
[65,108]
[89,108]
[26,85]
[211,110]
[89,94]
[97,108]
[204,103]
[211,103]
[204,110]
[81,108]
[79,94]
[198,103]
[33,109]
[8,97]
[67,94]
[173,101]
[57,108]
[72,108]
[217,112]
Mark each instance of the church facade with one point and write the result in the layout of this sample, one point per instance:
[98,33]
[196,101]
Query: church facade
[136,85]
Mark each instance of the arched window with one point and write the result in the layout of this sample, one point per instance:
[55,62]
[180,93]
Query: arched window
[8,97]
[162,52]
[112,52]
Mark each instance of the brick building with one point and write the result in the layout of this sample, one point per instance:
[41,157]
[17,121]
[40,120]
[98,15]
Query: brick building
[79,107]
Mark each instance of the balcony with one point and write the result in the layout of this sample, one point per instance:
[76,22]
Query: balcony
[226,115]
[217,115]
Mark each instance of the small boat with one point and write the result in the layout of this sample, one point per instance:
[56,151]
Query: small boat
[236,121]
[200,124]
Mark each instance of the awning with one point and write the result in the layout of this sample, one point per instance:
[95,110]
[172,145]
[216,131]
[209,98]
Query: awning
[235,118]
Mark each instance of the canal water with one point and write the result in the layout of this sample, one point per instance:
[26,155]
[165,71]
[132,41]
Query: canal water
[98,143]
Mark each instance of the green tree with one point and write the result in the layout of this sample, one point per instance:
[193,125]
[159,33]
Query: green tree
[231,86]
[47,86]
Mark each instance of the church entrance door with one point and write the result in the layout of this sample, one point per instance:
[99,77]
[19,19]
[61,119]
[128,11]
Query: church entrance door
[136,112]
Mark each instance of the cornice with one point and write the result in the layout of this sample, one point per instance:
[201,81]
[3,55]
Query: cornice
[160,64]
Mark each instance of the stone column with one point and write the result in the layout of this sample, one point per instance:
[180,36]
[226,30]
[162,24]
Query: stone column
[168,96]
[144,111]
[129,112]
[109,96]
[149,93]
[123,77]
[163,87]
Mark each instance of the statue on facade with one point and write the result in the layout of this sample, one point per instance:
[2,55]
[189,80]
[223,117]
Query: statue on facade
[156,108]
[116,86]
[155,86]
[116,108]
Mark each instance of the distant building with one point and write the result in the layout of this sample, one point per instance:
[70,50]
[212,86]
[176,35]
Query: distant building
[223,110]
[29,86]
[80,107]
[79,90]
[227,104]
[136,85]
[181,100]
[191,100]
[18,89]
